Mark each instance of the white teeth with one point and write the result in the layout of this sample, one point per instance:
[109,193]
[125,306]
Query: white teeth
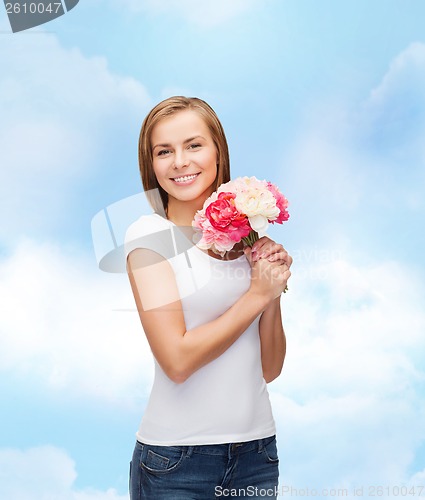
[185,178]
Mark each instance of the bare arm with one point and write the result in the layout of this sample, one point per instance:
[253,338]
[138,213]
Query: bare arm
[273,341]
[181,352]
[272,335]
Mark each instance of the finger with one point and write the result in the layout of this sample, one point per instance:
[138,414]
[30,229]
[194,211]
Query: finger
[267,250]
[280,275]
[248,253]
[261,243]
[278,253]
[258,247]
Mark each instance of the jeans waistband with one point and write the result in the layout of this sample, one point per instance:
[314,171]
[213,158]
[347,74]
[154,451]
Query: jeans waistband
[225,449]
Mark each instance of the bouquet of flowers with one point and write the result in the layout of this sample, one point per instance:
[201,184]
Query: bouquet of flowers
[239,210]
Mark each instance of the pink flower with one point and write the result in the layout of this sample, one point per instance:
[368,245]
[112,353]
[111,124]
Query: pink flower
[217,241]
[240,209]
[281,203]
[224,216]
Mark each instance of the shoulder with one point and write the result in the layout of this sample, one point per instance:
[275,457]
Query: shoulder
[149,231]
[146,224]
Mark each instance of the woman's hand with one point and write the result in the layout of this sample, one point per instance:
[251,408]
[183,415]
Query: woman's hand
[275,255]
[266,248]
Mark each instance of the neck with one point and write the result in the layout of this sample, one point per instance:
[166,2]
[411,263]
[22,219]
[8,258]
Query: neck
[182,213]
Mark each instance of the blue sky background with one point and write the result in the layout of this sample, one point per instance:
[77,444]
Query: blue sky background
[325,98]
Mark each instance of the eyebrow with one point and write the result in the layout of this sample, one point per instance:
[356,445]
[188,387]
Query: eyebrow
[184,142]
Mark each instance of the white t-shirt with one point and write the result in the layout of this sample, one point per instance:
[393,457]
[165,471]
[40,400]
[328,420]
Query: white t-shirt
[226,400]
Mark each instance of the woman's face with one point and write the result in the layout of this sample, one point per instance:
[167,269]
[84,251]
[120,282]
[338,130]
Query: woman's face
[184,157]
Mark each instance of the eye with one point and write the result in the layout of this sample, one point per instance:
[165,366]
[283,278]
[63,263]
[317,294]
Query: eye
[193,146]
[163,152]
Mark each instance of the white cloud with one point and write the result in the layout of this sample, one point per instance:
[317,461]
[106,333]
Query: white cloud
[405,79]
[350,403]
[392,119]
[419,479]
[68,325]
[203,14]
[327,181]
[358,169]
[349,313]
[59,111]
[352,440]
[44,473]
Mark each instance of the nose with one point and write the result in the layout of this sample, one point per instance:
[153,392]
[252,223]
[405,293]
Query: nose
[180,159]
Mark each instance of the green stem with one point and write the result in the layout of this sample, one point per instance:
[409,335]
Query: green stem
[251,238]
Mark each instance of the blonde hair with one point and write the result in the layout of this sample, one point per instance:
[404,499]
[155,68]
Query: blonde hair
[165,109]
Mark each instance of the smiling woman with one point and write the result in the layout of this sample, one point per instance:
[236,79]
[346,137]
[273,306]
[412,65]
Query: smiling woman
[186,168]
[214,325]
[211,128]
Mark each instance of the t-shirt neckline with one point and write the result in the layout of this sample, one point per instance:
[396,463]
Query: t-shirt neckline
[197,248]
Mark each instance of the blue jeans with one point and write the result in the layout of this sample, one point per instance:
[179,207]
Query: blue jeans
[205,472]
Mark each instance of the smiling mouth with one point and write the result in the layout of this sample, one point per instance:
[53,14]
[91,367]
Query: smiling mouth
[185,178]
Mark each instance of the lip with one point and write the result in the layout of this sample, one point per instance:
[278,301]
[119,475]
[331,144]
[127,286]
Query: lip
[185,183]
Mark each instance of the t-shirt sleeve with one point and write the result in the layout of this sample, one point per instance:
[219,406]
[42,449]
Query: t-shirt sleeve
[150,232]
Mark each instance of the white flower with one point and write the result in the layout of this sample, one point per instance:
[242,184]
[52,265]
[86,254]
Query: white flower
[259,223]
[253,198]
